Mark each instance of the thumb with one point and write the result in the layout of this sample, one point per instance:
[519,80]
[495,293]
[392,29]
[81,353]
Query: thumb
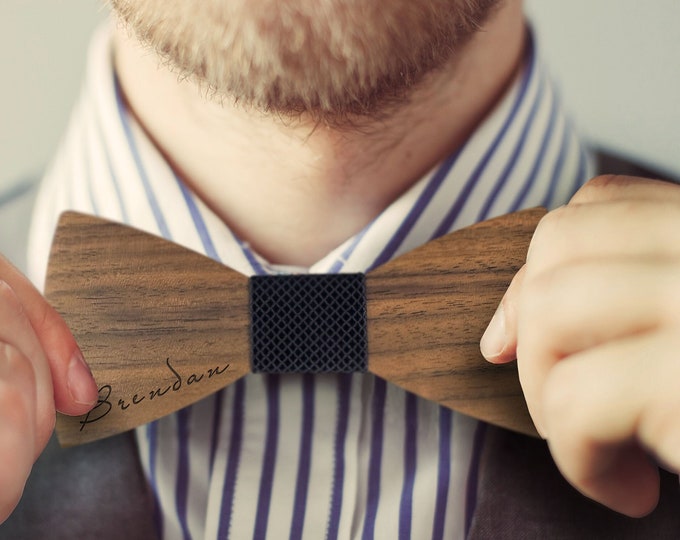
[499,342]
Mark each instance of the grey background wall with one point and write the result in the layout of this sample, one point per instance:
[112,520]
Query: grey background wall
[618,66]
[42,54]
[617,63]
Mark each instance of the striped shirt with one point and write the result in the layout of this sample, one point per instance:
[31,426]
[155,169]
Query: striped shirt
[303,456]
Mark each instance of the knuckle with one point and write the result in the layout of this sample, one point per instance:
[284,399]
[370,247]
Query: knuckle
[8,297]
[17,387]
[543,241]
[560,394]
[604,181]
[540,294]
[20,403]
[12,312]
[592,190]
[41,317]
[15,364]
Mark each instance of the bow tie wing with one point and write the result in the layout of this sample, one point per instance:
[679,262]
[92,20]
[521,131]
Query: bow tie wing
[428,309]
[160,326]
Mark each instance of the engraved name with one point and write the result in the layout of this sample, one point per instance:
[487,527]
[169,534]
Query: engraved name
[105,403]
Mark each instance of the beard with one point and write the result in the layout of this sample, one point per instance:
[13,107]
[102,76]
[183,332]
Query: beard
[332,60]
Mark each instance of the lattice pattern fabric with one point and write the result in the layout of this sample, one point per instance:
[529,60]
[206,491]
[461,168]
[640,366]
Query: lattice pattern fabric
[308,323]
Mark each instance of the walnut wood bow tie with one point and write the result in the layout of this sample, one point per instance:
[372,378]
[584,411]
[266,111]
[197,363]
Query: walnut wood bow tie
[162,326]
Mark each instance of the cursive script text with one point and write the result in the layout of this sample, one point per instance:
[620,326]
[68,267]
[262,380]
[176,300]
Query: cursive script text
[105,403]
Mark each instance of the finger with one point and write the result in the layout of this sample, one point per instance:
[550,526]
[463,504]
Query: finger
[75,390]
[602,406]
[17,426]
[582,305]
[499,342]
[609,187]
[621,477]
[574,232]
[16,331]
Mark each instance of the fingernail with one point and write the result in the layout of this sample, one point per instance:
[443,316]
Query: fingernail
[493,341]
[80,382]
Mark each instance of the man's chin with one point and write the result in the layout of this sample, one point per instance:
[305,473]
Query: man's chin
[335,63]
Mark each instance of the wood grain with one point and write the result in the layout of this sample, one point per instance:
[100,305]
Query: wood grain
[134,303]
[162,326]
[423,335]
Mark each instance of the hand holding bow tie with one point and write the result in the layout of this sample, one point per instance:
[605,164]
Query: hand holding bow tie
[162,327]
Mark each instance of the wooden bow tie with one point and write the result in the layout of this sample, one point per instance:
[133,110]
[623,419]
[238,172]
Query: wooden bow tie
[162,326]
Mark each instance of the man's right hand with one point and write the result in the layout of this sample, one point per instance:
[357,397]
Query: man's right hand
[41,370]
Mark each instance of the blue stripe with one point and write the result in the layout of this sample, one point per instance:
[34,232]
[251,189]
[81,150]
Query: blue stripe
[538,159]
[416,211]
[151,198]
[305,459]
[448,221]
[152,441]
[269,460]
[510,164]
[375,458]
[252,260]
[443,473]
[215,432]
[340,263]
[112,174]
[199,223]
[557,168]
[235,446]
[473,475]
[182,480]
[410,457]
[342,423]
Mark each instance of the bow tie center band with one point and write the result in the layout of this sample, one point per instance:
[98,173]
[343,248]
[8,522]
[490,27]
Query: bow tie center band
[162,326]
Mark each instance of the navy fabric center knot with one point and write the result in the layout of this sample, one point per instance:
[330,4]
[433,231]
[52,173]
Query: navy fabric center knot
[311,323]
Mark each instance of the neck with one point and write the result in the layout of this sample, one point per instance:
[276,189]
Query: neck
[293,190]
